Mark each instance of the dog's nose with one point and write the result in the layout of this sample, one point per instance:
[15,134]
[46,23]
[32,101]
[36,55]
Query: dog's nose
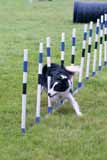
[49,94]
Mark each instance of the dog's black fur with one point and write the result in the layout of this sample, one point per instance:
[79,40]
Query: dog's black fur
[55,72]
[60,84]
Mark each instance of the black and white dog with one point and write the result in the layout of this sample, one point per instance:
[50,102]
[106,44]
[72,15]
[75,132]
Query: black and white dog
[60,85]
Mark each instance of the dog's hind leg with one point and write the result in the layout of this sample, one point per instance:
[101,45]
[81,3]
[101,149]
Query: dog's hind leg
[74,104]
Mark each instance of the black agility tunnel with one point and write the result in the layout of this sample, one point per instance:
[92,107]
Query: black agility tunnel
[88,11]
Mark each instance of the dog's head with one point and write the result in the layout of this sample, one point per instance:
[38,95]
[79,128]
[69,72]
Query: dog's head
[60,85]
[60,79]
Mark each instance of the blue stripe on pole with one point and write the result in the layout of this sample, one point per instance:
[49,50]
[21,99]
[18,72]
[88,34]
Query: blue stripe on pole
[97,30]
[73,41]
[48,52]
[49,109]
[40,58]
[80,84]
[106,24]
[25,64]
[101,25]
[85,35]
[90,34]
[62,46]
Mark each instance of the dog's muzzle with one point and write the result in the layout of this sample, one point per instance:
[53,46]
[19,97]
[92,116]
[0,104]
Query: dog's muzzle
[52,95]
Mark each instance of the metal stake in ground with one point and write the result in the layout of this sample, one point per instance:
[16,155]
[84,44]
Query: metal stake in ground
[24,91]
[39,87]
[95,48]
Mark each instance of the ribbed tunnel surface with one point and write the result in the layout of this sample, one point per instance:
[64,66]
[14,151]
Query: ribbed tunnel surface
[88,11]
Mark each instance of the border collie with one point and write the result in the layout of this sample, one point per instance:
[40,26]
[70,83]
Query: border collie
[60,84]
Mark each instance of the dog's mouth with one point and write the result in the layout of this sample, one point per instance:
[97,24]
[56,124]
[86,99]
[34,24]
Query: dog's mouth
[52,95]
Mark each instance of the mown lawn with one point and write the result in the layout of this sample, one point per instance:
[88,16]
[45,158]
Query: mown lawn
[62,136]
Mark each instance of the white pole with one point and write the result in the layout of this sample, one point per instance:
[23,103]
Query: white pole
[89,50]
[105,41]
[62,48]
[95,48]
[101,45]
[39,87]
[24,92]
[73,52]
[30,1]
[82,57]
[49,76]
[73,46]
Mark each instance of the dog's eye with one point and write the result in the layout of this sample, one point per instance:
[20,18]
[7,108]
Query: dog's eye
[58,87]
[63,76]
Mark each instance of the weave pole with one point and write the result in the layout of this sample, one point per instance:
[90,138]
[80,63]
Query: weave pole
[49,67]
[89,50]
[24,91]
[39,87]
[95,48]
[105,39]
[73,46]
[82,57]
[73,52]
[62,48]
[101,45]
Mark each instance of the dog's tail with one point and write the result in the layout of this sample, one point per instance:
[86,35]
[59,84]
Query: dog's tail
[72,69]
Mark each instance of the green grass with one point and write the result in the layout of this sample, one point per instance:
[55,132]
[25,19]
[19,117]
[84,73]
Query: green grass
[62,136]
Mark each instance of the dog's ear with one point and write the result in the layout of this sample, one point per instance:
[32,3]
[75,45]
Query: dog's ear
[44,69]
[73,69]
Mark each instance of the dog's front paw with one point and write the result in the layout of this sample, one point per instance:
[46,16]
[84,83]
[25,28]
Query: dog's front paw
[79,114]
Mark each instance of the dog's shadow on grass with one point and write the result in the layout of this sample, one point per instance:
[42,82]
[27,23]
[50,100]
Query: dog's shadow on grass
[65,110]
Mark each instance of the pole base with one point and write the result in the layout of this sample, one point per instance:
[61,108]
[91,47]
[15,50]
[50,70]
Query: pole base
[87,78]
[49,109]
[105,63]
[100,68]
[93,74]
[23,130]
[79,84]
[37,120]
